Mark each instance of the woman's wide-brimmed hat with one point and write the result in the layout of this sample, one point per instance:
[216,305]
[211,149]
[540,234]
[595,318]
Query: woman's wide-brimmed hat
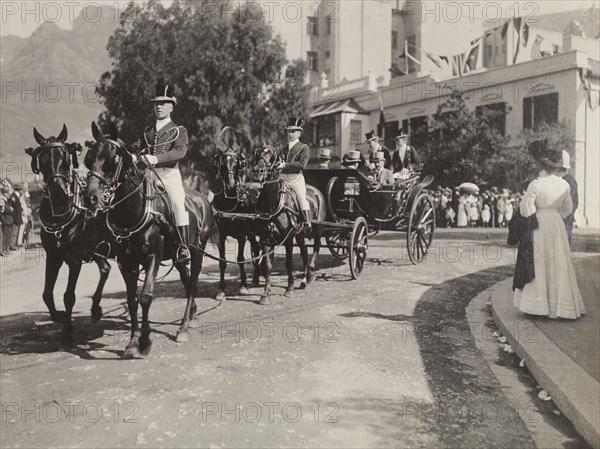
[541,151]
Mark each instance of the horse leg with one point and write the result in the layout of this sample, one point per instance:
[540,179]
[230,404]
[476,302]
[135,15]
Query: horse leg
[151,268]
[69,299]
[53,264]
[312,266]
[266,269]
[222,266]
[304,253]
[255,249]
[104,267]
[289,265]
[190,319]
[130,273]
[240,259]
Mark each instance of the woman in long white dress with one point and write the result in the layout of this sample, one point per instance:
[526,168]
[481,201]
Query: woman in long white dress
[461,213]
[554,291]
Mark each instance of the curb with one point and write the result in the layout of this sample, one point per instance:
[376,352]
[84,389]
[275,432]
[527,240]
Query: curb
[573,390]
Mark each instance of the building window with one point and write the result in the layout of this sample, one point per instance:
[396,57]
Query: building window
[355,131]
[394,39]
[327,61]
[313,25]
[389,133]
[540,110]
[495,115]
[312,57]
[555,49]
[417,130]
[328,24]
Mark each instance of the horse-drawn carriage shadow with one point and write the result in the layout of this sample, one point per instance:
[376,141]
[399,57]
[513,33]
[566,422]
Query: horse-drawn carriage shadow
[34,333]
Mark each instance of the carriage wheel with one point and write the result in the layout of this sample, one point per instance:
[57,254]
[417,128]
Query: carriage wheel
[421,225]
[359,244]
[337,243]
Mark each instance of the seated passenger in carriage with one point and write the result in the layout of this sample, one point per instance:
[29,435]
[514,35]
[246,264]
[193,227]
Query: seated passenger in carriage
[164,144]
[405,159]
[354,159]
[324,158]
[295,155]
[381,175]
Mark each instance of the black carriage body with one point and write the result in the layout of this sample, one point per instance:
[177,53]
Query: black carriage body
[403,207]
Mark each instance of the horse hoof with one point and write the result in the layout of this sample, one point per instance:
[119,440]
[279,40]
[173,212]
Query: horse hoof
[221,296]
[303,284]
[145,345]
[255,282]
[264,300]
[194,323]
[289,293]
[131,352]
[96,314]
[182,337]
[244,290]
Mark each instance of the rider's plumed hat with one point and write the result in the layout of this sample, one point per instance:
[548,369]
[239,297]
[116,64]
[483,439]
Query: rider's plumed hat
[295,124]
[164,92]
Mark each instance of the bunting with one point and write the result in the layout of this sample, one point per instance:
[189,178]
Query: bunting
[536,51]
[592,89]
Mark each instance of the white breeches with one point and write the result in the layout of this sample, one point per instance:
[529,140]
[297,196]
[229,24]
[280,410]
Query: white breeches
[296,182]
[171,179]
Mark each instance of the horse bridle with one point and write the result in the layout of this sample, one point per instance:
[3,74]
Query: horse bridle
[270,167]
[228,172]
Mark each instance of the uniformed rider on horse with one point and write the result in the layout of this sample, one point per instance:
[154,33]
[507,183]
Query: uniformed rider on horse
[163,145]
[295,155]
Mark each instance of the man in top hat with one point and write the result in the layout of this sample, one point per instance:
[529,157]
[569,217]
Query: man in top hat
[164,144]
[564,172]
[375,146]
[324,157]
[381,174]
[354,159]
[404,156]
[295,155]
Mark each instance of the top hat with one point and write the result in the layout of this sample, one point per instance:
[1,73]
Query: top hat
[379,156]
[295,124]
[351,157]
[371,136]
[19,186]
[401,135]
[541,150]
[164,93]
[324,153]
[566,160]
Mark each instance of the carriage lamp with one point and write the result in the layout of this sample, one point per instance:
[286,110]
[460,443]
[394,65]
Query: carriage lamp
[352,187]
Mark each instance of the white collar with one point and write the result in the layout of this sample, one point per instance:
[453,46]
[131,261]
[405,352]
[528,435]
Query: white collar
[160,124]
[292,143]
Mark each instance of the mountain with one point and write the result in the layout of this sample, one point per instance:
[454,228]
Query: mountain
[49,79]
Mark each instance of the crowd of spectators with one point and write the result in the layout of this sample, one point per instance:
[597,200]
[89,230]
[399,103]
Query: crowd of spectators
[491,208]
[15,216]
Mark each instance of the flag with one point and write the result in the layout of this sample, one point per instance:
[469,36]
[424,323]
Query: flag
[437,60]
[536,52]
[518,22]
[525,34]
[381,117]
[593,92]
[458,63]
[471,61]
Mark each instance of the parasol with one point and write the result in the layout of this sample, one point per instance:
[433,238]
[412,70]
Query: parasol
[469,187]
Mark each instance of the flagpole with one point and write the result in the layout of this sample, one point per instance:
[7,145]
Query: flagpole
[405,56]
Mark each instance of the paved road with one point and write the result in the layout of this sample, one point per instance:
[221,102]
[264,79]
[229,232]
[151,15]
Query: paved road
[390,360]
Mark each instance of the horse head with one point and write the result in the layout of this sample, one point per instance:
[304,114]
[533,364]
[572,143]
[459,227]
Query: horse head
[56,160]
[105,161]
[230,160]
[265,162]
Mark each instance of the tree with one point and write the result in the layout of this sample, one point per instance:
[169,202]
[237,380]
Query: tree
[227,65]
[461,145]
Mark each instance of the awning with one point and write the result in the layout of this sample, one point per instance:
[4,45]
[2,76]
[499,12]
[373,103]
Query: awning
[335,107]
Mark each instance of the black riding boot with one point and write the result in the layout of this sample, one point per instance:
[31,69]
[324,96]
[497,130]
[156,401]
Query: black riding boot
[305,226]
[183,253]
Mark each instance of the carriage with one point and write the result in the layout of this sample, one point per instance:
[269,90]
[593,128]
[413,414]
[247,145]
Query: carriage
[358,209]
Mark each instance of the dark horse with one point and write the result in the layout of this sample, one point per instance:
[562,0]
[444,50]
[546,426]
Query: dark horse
[139,216]
[67,235]
[234,198]
[278,210]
